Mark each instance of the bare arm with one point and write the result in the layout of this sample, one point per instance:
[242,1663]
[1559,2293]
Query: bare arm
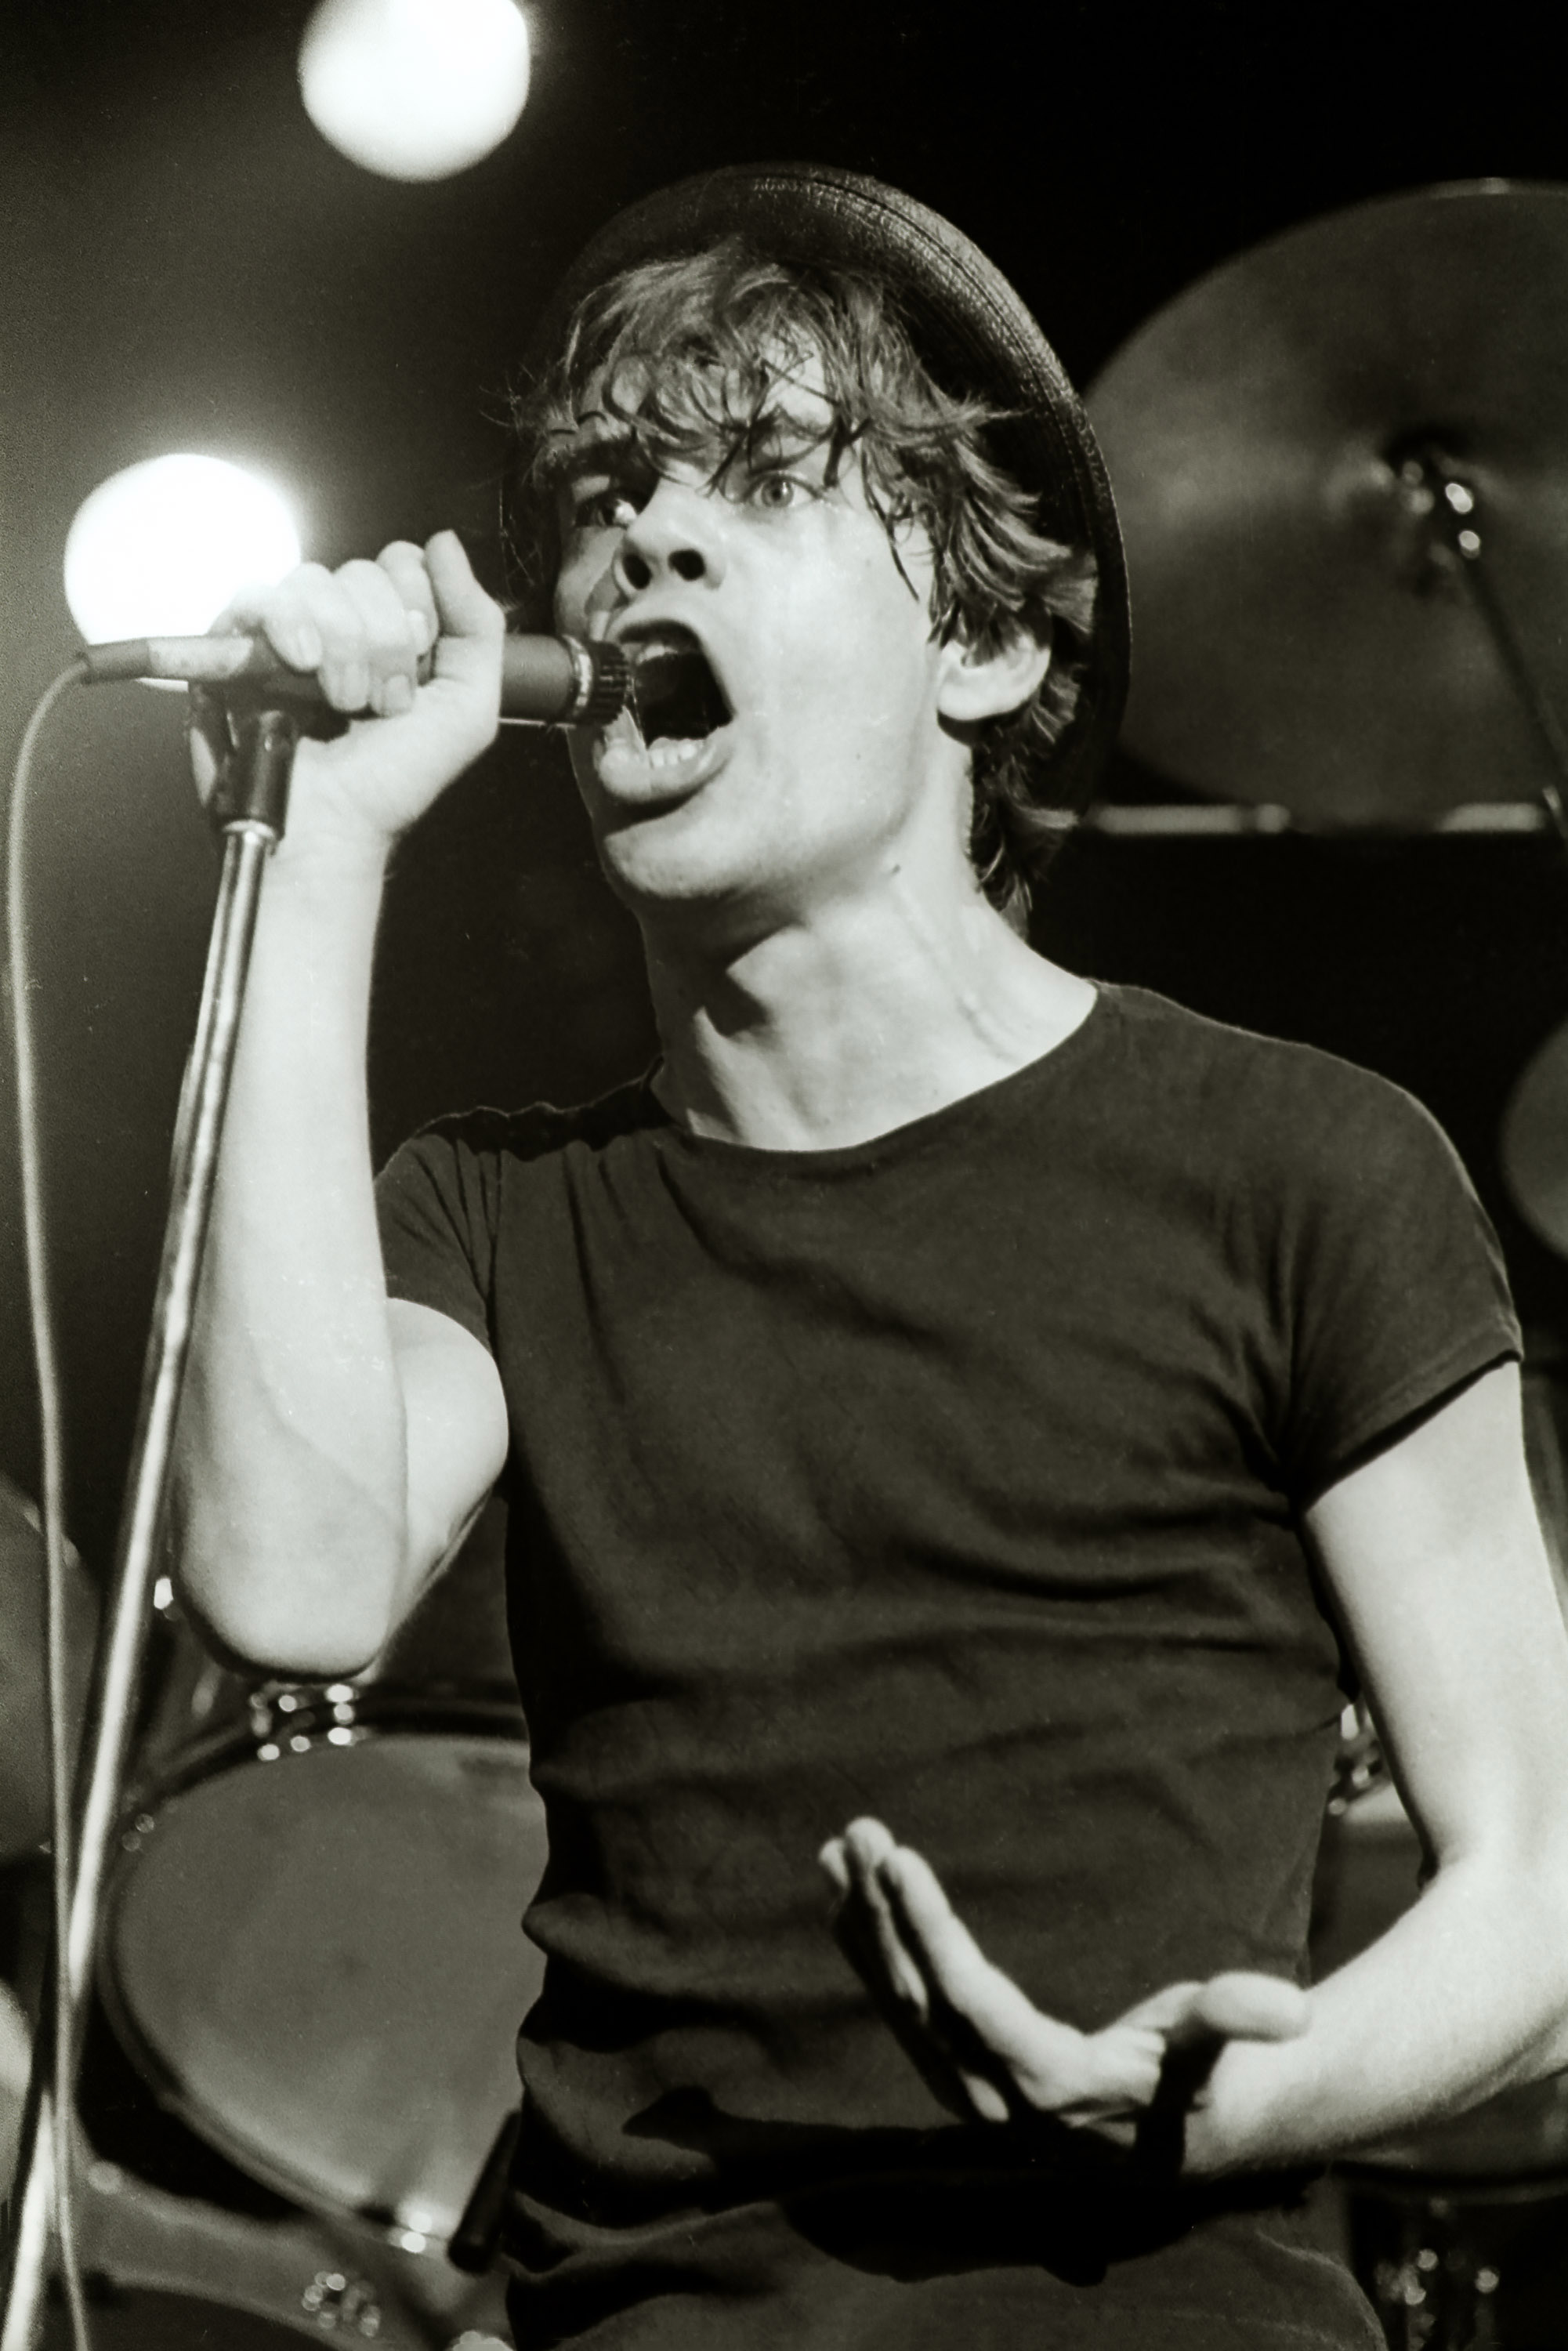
[332,1448]
[1435,1556]
[1435,1553]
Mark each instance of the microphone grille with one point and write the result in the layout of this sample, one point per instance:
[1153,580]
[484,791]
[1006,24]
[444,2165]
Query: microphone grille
[610,687]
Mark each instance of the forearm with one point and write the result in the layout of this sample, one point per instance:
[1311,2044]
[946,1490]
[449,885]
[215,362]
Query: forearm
[289,1496]
[1467,1994]
[292,1498]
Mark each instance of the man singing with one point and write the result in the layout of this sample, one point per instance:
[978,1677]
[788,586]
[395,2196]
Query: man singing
[963,1426]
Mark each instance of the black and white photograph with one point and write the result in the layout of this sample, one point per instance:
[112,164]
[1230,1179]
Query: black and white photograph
[783,1176]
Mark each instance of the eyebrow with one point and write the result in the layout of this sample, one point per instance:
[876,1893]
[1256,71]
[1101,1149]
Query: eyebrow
[569,451]
[602,439]
[574,430]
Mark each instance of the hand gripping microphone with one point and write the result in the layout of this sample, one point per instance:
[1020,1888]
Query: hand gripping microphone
[545,680]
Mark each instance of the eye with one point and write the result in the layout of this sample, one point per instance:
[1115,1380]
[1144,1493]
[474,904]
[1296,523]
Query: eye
[603,507]
[777,493]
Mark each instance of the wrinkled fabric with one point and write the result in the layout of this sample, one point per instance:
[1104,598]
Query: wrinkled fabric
[953,1477]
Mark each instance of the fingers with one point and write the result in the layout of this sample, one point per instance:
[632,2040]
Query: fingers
[1165,2009]
[971,2027]
[866,1846]
[898,1926]
[1242,2006]
[373,643]
[365,629]
[832,1861]
[465,611]
[1239,2005]
[858,1941]
[406,567]
[1121,2066]
[352,627]
[1006,2018]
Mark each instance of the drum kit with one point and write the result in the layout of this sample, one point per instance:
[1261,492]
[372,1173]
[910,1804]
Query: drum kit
[312,1953]
[1342,465]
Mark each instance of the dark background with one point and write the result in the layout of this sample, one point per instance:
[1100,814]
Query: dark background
[186,265]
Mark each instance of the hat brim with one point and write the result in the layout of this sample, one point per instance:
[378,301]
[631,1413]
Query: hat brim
[972,329]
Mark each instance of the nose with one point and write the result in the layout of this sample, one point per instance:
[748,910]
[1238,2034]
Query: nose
[678,534]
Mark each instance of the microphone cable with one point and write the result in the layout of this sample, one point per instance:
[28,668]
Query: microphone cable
[61,2019]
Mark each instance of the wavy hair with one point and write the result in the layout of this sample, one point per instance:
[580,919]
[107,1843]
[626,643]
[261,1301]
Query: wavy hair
[688,354]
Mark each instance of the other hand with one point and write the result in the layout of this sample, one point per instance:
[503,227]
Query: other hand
[362,631]
[980,2043]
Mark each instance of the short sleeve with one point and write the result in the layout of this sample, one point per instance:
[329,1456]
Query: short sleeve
[436,1202]
[1392,1281]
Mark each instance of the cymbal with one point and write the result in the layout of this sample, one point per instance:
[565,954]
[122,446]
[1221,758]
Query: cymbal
[1295,639]
[1532,1144]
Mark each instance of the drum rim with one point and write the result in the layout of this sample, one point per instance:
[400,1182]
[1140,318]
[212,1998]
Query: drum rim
[382,1710]
[305,2194]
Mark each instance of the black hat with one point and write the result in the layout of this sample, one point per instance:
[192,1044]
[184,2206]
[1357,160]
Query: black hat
[973,332]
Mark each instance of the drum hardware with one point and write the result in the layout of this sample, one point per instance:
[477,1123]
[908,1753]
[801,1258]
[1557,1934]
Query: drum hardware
[1451,494]
[1422,2209]
[342,2304]
[312,1943]
[145,2249]
[1359,1765]
[1431,2291]
[249,805]
[1323,622]
[1227,819]
[1532,1143]
[477,2239]
[1341,463]
[1454,2266]
[1441,2226]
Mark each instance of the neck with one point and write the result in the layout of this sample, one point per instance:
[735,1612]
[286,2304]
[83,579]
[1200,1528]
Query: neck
[831,1030]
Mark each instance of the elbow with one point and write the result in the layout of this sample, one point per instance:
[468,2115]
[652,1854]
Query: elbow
[255,1644]
[289,1612]
[1523,1878]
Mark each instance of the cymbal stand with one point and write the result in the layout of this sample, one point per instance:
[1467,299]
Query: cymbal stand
[1458,515]
[249,807]
[1433,2290]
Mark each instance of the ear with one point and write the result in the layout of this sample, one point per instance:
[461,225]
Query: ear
[974,685]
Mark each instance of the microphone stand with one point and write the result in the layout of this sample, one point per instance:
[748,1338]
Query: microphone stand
[249,807]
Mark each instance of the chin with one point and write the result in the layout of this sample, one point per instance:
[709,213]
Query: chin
[716,903]
[656,886]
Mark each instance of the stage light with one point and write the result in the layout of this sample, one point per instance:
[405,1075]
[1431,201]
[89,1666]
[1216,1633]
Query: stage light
[414,90]
[158,549]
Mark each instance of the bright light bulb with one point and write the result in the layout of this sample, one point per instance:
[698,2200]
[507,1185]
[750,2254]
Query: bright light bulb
[159,551]
[414,90]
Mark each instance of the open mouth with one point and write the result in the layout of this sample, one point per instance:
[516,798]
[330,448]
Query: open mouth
[675,693]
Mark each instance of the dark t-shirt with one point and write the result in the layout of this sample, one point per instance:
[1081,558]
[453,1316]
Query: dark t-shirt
[954,1477]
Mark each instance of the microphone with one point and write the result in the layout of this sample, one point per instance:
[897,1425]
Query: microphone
[545,680]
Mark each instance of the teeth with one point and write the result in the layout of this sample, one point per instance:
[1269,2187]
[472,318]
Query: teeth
[628,764]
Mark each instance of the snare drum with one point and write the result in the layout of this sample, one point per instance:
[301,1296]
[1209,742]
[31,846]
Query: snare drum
[312,1941]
